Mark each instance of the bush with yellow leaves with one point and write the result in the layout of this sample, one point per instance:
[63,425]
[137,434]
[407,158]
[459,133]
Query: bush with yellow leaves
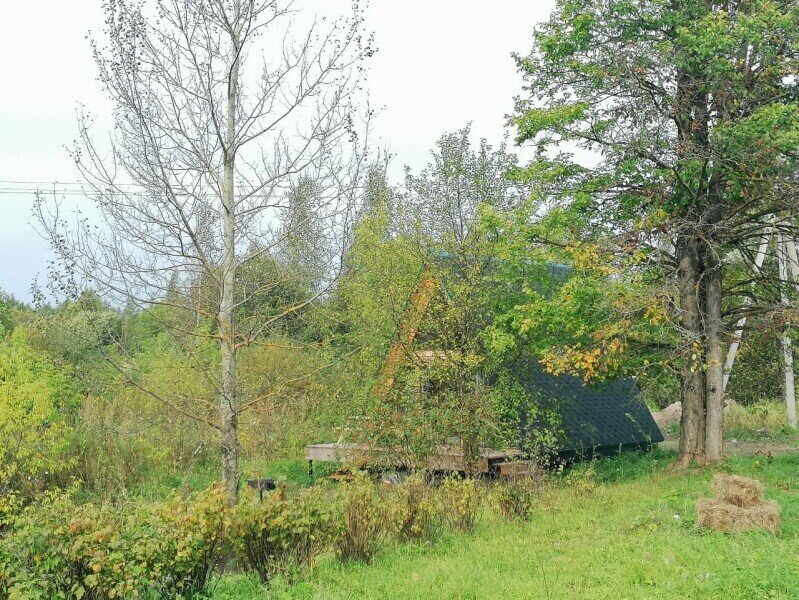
[413,510]
[365,520]
[57,549]
[283,534]
[459,502]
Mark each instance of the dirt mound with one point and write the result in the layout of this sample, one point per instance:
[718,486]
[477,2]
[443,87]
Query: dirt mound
[669,415]
[739,505]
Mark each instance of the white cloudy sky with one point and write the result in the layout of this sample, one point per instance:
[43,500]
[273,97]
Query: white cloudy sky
[440,65]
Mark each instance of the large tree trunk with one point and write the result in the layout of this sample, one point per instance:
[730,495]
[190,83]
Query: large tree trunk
[714,377]
[228,409]
[692,423]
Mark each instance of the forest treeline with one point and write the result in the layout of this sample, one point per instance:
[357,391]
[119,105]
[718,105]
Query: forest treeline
[254,261]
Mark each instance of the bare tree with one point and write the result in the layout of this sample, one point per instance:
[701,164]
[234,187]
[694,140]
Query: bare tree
[221,107]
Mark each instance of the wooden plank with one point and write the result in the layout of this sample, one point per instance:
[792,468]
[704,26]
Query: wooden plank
[516,469]
[444,459]
[338,452]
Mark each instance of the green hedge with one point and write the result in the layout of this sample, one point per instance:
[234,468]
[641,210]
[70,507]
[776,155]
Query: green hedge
[59,549]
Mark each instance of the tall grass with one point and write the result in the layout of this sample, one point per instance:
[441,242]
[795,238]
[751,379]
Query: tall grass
[761,419]
[630,534]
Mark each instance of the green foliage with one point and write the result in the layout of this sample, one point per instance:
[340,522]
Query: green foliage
[365,524]
[447,389]
[302,393]
[632,537]
[518,497]
[413,509]
[283,534]
[534,121]
[382,272]
[36,401]
[57,549]
[459,499]
[76,334]
[683,128]
[9,313]
[758,375]
[758,421]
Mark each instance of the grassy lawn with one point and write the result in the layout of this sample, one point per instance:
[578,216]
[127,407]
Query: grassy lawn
[615,529]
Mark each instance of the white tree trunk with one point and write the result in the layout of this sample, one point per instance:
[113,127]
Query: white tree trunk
[228,410]
[787,347]
[739,326]
[714,359]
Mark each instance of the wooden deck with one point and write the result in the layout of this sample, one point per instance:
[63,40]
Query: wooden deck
[444,459]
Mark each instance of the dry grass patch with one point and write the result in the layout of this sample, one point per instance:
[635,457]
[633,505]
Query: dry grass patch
[739,505]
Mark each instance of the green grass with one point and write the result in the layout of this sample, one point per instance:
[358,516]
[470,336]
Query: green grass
[614,529]
[160,483]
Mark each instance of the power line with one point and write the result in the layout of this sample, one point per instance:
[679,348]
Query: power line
[33,187]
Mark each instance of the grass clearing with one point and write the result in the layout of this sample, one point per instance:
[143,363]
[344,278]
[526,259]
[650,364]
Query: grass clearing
[612,529]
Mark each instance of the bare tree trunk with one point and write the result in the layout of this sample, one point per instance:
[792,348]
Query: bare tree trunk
[692,423]
[714,354]
[739,326]
[228,414]
[786,253]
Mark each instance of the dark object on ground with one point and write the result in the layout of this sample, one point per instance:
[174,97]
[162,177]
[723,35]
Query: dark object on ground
[739,506]
[262,485]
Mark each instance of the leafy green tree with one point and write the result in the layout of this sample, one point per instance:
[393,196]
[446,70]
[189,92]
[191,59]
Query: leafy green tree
[666,132]
[445,391]
[36,402]
[8,307]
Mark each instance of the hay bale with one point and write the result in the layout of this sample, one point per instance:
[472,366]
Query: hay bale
[714,513]
[740,491]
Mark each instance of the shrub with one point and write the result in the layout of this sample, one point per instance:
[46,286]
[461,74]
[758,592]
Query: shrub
[413,510]
[582,478]
[59,550]
[35,398]
[281,534]
[33,559]
[181,540]
[518,496]
[364,526]
[458,501]
[755,420]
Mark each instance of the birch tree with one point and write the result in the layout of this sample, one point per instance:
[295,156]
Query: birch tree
[221,107]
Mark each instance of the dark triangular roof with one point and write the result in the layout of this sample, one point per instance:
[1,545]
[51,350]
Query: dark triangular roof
[593,418]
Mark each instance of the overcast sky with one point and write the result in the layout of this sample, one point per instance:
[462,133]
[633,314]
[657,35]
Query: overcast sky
[440,65]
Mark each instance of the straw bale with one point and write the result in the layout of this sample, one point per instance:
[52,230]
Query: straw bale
[714,513]
[740,491]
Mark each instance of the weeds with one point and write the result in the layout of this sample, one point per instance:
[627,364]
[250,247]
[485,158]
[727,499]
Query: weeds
[459,502]
[519,496]
[281,534]
[414,511]
[364,523]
